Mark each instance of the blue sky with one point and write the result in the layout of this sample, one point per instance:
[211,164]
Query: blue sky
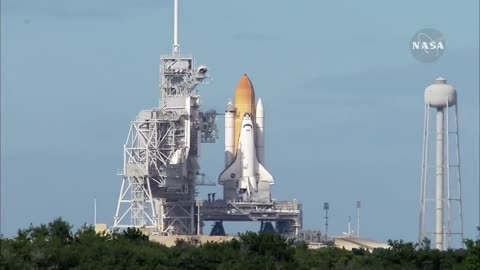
[343,99]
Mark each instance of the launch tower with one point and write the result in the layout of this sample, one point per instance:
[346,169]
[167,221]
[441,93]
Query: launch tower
[161,154]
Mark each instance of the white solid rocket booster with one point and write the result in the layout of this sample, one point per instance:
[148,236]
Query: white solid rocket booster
[229,134]
[260,139]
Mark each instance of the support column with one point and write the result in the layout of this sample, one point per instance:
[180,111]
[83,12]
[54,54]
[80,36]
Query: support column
[439,180]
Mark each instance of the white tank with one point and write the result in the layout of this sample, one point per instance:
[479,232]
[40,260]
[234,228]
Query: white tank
[439,94]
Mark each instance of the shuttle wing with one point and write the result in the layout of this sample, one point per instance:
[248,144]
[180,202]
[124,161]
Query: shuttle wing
[232,172]
[263,174]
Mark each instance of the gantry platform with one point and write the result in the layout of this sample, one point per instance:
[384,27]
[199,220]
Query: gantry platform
[287,215]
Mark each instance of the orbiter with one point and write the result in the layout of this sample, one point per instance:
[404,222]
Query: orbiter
[245,178]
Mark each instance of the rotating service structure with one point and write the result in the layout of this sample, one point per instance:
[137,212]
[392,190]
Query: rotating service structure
[161,155]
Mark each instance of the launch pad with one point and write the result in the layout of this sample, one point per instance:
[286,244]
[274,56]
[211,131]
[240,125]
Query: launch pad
[161,167]
[287,215]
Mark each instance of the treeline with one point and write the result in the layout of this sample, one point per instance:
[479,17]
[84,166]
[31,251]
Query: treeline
[55,246]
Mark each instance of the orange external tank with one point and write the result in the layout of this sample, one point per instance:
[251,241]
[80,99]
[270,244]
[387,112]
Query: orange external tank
[244,103]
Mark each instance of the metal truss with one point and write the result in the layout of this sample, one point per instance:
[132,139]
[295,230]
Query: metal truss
[162,151]
[177,217]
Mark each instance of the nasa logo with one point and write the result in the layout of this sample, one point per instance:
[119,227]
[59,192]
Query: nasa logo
[427,45]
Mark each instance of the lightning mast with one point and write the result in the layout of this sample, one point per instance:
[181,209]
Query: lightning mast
[326,207]
[176,44]
[358,219]
[161,155]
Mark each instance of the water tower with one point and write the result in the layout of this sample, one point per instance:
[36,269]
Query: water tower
[441,214]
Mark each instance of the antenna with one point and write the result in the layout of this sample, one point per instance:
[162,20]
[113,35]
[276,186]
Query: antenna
[176,44]
[358,219]
[326,207]
[349,227]
[94,211]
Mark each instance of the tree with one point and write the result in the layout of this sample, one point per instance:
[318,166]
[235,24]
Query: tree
[54,246]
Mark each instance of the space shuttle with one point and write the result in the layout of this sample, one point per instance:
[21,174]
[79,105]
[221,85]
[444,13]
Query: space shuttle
[245,179]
